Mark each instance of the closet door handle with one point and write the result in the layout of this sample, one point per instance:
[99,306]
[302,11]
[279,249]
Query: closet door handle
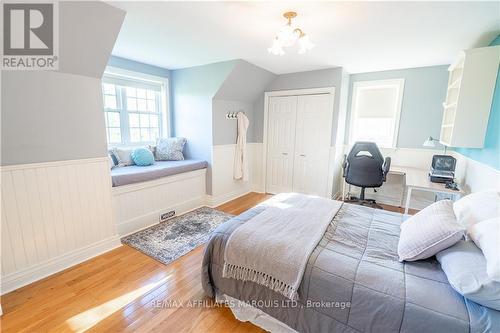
[302,155]
[284,153]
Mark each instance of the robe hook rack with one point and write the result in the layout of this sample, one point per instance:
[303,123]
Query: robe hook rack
[233,115]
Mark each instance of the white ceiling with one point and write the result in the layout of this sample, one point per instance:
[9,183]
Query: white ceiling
[359,36]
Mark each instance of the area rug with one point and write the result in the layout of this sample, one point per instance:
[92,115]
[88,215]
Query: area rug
[177,236]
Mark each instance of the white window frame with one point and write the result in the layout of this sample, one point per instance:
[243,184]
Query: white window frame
[399,83]
[115,72]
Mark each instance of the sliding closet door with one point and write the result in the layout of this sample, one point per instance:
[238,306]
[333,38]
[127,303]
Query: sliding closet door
[282,112]
[312,144]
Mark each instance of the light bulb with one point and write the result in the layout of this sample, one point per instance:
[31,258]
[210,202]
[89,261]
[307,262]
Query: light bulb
[305,44]
[287,35]
[276,48]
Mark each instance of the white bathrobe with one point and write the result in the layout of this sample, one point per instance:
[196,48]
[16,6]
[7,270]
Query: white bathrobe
[240,157]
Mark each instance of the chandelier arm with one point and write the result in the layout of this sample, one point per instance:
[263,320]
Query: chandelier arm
[301,33]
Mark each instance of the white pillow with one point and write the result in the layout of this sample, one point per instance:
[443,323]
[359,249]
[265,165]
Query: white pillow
[477,207]
[123,156]
[465,268]
[170,149]
[486,235]
[429,231]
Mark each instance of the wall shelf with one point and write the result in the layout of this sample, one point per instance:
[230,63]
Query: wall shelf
[455,84]
[448,106]
[469,96]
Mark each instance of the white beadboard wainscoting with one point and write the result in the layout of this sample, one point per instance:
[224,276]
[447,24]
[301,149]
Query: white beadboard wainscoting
[475,176]
[224,186]
[139,205]
[255,165]
[335,180]
[54,215]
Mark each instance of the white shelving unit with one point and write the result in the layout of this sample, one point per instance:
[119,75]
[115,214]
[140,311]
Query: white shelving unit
[467,106]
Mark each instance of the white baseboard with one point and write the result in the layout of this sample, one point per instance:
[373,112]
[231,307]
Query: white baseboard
[259,188]
[214,201]
[147,220]
[336,195]
[41,270]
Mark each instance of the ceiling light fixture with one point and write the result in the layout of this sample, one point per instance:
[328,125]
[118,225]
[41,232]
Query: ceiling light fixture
[287,37]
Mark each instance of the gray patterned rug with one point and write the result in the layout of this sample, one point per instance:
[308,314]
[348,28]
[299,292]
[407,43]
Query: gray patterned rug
[177,236]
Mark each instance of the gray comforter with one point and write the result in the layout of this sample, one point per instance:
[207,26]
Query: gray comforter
[354,283]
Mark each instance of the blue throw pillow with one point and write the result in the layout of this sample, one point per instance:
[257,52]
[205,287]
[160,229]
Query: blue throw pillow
[143,156]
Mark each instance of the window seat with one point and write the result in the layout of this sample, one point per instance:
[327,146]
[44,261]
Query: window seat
[136,174]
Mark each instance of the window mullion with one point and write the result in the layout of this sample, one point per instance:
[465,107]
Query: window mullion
[124,124]
[158,106]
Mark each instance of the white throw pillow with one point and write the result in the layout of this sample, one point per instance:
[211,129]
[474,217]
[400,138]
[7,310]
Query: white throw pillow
[477,207]
[465,268]
[123,156]
[429,231]
[170,149]
[486,235]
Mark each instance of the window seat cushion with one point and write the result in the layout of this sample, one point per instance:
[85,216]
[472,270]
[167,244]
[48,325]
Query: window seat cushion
[136,174]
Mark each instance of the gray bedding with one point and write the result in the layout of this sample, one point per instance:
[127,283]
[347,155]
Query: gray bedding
[135,174]
[354,283]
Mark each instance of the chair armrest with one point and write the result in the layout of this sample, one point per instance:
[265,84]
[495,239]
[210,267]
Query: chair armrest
[386,167]
[344,166]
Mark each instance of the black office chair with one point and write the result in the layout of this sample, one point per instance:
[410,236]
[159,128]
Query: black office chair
[365,167]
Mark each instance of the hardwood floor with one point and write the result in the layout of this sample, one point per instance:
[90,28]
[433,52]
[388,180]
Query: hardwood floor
[401,210]
[243,203]
[124,291]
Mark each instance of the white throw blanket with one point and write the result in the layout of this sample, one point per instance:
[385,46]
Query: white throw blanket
[240,157]
[272,248]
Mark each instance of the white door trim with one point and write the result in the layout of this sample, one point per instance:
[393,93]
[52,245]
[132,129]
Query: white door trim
[293,92]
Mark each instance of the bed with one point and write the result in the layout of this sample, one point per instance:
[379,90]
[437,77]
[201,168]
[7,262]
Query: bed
[353,282]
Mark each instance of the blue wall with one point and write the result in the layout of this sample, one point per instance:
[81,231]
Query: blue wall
[490,153]
[422,108]
[136,66]
[192,92]
[242,87]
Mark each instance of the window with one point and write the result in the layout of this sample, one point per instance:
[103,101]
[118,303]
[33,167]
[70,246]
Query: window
[134,107]
[375,110]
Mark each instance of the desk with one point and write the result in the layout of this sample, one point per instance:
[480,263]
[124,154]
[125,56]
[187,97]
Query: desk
[418,179]
[415,179]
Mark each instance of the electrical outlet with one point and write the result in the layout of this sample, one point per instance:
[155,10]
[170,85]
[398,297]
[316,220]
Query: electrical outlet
[167,215]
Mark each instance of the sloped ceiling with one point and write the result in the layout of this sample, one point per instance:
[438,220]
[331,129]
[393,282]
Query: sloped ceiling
[245,83]
[87,35]
[360,36]
[203,80]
